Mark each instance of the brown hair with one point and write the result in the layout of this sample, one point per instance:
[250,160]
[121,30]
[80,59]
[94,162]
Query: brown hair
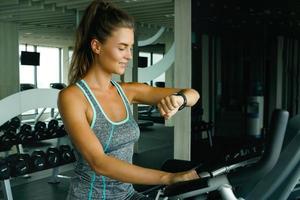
[99,20]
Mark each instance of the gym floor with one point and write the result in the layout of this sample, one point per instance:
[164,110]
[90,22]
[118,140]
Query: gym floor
[154,148]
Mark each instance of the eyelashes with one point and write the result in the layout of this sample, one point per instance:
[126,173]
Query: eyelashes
[123,49]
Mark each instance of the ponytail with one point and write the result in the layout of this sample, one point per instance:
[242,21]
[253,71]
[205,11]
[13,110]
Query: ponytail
[99,20]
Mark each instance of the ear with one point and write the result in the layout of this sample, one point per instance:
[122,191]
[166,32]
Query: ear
[96,46]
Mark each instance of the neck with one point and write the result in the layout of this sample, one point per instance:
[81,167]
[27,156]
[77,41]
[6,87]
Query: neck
[98,79]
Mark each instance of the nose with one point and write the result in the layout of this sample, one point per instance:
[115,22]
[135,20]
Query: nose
[128,54]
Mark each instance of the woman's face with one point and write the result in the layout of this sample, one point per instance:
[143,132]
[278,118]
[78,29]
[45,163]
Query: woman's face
[116,51]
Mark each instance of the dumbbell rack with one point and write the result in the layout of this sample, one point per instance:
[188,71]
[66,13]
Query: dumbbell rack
[19,103]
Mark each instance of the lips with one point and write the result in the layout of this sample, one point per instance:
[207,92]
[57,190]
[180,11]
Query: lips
[123,64]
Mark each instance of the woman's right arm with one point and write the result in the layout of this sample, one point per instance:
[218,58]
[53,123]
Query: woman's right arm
[73,112]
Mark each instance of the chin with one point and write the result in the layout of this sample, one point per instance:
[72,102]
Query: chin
[120,72]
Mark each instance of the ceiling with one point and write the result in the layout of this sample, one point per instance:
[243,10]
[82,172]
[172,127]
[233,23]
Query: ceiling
[282,15]
[54,21]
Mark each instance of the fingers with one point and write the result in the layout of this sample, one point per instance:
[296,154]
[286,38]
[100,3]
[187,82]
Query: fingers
[168,106]
[184,176]
[190,175]
[194,174]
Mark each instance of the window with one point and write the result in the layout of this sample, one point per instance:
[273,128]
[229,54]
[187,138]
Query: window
[147,55]
[41,76]
[153,58]
[49,69]
[156,58]
[26,72]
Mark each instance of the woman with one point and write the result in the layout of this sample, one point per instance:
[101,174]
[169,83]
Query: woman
[96,110]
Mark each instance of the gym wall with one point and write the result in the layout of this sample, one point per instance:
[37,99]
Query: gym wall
[9,59]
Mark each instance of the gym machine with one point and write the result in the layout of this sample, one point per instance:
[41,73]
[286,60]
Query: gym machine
[249,179]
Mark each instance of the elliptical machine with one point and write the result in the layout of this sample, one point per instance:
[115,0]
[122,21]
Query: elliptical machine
[236,179]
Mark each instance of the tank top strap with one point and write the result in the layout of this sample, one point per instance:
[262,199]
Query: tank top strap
[121,92]
[90,97]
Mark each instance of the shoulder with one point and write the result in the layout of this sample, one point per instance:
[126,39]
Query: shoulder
[71,95]
[70,92]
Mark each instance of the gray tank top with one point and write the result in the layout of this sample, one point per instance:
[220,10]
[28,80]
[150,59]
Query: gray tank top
[117,139]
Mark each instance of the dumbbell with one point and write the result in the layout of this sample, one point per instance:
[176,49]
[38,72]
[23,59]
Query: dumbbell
[26,127]
[19,164]
[52,157]
[26,136]
[53,124]
[12,134]
[40,131]
[4,146]
[66,154]
[4,126]
[8,139]
[53,128]
[15,122]
[38,160]
[4,170]
[25,132]
[61,131]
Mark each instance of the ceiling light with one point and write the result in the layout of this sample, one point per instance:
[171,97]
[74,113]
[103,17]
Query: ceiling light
[169,15]
[130,1]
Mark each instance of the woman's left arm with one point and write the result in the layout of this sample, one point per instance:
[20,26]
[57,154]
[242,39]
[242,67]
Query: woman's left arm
[168,100]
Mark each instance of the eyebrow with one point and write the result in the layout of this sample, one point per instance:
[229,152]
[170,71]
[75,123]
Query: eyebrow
[121,43]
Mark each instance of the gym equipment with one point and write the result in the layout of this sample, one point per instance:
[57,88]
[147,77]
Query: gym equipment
[66,154]
[144,123]
[4,170]
[40,126]
[279,183]
[52,157]
[40,131]
[144,111]
[53,127]
[8,139]
[254,114]
[25,127]
[58,86]
[26,86]
[247,178]
[53,124]
[243,175]
[26,136]
[38,160]
[150,114]
[15,123]
[31,99]
[4,126]
[204,126]
[61,131]
[160,84]
[19,164]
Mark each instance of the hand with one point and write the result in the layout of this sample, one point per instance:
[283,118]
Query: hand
[184,176]
[169,105]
